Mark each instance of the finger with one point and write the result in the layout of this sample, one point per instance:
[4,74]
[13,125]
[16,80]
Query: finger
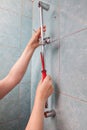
[40,82]
[48,77]
[38,32]
[46,80]
[50,92]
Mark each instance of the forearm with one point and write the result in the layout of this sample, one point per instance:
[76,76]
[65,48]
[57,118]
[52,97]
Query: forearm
[37,116]
[16,73]
[18,70]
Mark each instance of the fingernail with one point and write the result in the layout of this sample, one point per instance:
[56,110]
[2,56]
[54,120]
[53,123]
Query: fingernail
[34,30]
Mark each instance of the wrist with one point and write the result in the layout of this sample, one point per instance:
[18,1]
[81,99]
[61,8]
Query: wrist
[30,47]
[40,100]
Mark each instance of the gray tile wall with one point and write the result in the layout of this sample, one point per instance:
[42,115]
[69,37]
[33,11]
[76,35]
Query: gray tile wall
[66,61]
[15,32]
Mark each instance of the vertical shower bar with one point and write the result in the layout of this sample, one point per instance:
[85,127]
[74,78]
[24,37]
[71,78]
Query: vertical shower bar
[42,48]
[44,6]
[41,24]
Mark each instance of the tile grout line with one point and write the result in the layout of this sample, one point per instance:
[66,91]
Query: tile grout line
[14,12]
[62,93]
[9,10]
[20,49]
[71,34]
[59,40]
[73,97]
[74,17]
[5,122]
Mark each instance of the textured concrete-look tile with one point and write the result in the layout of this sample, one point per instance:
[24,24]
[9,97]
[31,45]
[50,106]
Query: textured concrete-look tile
[9,29]
[27,8]
[11,5]
[52,61]
[73,63]
[51,22]
[76,41]
[35,16]
[12,125]
[25,38]
[72,16]
[9,106]
[24,100]
[23,123]
[71,114]
[75,8]
[26,31]
[9,56]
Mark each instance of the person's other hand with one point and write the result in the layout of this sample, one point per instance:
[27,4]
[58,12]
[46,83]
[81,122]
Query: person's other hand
[44,89]
[34,41]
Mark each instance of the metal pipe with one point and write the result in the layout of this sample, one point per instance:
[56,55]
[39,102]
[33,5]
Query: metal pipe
[46,7]
[41,24]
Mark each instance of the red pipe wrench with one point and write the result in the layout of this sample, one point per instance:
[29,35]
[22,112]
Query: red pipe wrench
[43,72]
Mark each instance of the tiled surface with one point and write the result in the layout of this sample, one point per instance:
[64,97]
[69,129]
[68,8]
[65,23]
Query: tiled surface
[35,23]
[73,53]
[15,32]
[26,31]
[71,114]
[27,8]
[23,123]
[75,7]
[8,58]
[9,28]
[76,42]
[24,97]
[9,106]
[12,125]
[65,62]
[25,38]
[72,16]
[11,5]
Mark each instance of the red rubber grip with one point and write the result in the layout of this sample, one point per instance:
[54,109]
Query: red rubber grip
[43,74]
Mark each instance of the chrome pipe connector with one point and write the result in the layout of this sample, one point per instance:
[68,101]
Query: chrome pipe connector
[50,113]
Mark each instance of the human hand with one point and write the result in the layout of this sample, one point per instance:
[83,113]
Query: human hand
[44,89]
[34,41]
